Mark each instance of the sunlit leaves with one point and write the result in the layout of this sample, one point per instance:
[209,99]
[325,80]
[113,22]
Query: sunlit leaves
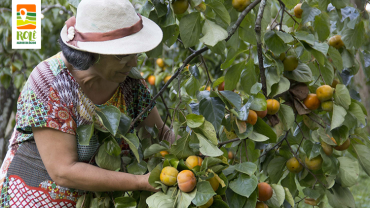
[338,116]
[212,33]
[355,37]
[309,13]
[301,74]
[244,185]
[341,96]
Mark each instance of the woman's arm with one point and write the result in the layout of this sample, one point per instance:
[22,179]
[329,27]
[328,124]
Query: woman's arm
[155,119]
[58,151]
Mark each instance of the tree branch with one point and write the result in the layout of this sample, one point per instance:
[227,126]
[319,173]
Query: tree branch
[192,56]
[257,28]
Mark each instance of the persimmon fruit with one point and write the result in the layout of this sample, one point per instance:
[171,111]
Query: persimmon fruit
[167,78]
[314,163]
[151,80]
[298,11]
[252,117]
[160,62]
[264,191]
[290,63]
[343,146]
[193,161]
[230,155]
[328,150]
[186,181]
[261,114]
[336,41]
[273,106]
[240,5]
[169,175]
[293,165]
[324,93]
[311,101]
[180,6]
[214,183]
[221,87]
[163,153]
[208,204]
[327,106]
[261,205]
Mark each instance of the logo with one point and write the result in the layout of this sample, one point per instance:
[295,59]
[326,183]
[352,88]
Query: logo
[26,27]
[26,16]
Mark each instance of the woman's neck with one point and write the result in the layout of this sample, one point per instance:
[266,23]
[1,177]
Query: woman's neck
[94,87]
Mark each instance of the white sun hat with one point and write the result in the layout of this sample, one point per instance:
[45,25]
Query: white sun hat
[110,27]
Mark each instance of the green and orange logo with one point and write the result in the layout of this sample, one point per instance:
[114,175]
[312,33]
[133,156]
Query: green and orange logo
[26,16]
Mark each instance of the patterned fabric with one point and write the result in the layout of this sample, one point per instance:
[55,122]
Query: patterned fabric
[52,98]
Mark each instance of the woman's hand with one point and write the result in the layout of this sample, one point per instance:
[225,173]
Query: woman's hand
[144,183]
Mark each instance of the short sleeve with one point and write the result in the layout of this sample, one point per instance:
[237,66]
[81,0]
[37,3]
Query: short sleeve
[39,104]
[142,100]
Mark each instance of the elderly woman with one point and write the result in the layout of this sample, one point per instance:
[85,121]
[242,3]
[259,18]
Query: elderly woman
[45,165]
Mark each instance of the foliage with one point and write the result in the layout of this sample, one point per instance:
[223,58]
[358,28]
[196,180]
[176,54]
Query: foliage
[212,123]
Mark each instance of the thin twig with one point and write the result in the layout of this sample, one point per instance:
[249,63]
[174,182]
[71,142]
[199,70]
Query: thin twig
[316,121]
[205,66]
[282,15]
[257,28]
[191,57]
[291,16]
[274,21]
[277,144]
[227,142]
[320,72]
[319,118]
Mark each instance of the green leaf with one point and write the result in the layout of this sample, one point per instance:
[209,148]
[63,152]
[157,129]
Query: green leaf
[192,86]
[133,143]
[282,86]
[159,7]
[233,75]
[275,168]
[259,102]
[106,161]
[263,128]
[137,168]
[155,175]
[340,197]
[246,167]
[244,185]
[112,147]
[74,2]
[170,18]
[218,81]
[135,74]
[286,115]
[207,148]
[204,193]
[210,162]
[356,111]
[194,121]
[212,33]
[363,156]
[278,195]
[275,43]
[341,96]
[124,124]
[327,72]
[288,197]
[110,116]
[160,200]
[190,29]
[336,57]
[306,37]
[258,137]
[184,199]
[85,133]
[220,10]
[348,171]
[309,13]
[209,131]
[249,74]
[213,110]
[233,98]
[355,37]
[234,200]
[348,59]
[290,4]
[231,55]
[252,200]
[338,116]
[154,148]
[301,74]
[322,26]
[181,149]
[289,182]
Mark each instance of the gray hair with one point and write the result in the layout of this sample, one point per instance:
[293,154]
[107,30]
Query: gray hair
[80,60]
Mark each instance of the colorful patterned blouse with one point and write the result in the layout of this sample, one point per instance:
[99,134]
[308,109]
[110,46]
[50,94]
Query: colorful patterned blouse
[52,98]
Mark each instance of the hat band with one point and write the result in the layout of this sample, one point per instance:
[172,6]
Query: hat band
[74,35]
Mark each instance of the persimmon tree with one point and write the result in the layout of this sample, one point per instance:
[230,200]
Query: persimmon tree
[280,125]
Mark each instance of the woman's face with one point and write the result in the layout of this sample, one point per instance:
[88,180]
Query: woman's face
[115,68]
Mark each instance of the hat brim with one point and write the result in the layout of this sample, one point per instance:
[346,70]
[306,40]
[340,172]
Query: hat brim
[145,40]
